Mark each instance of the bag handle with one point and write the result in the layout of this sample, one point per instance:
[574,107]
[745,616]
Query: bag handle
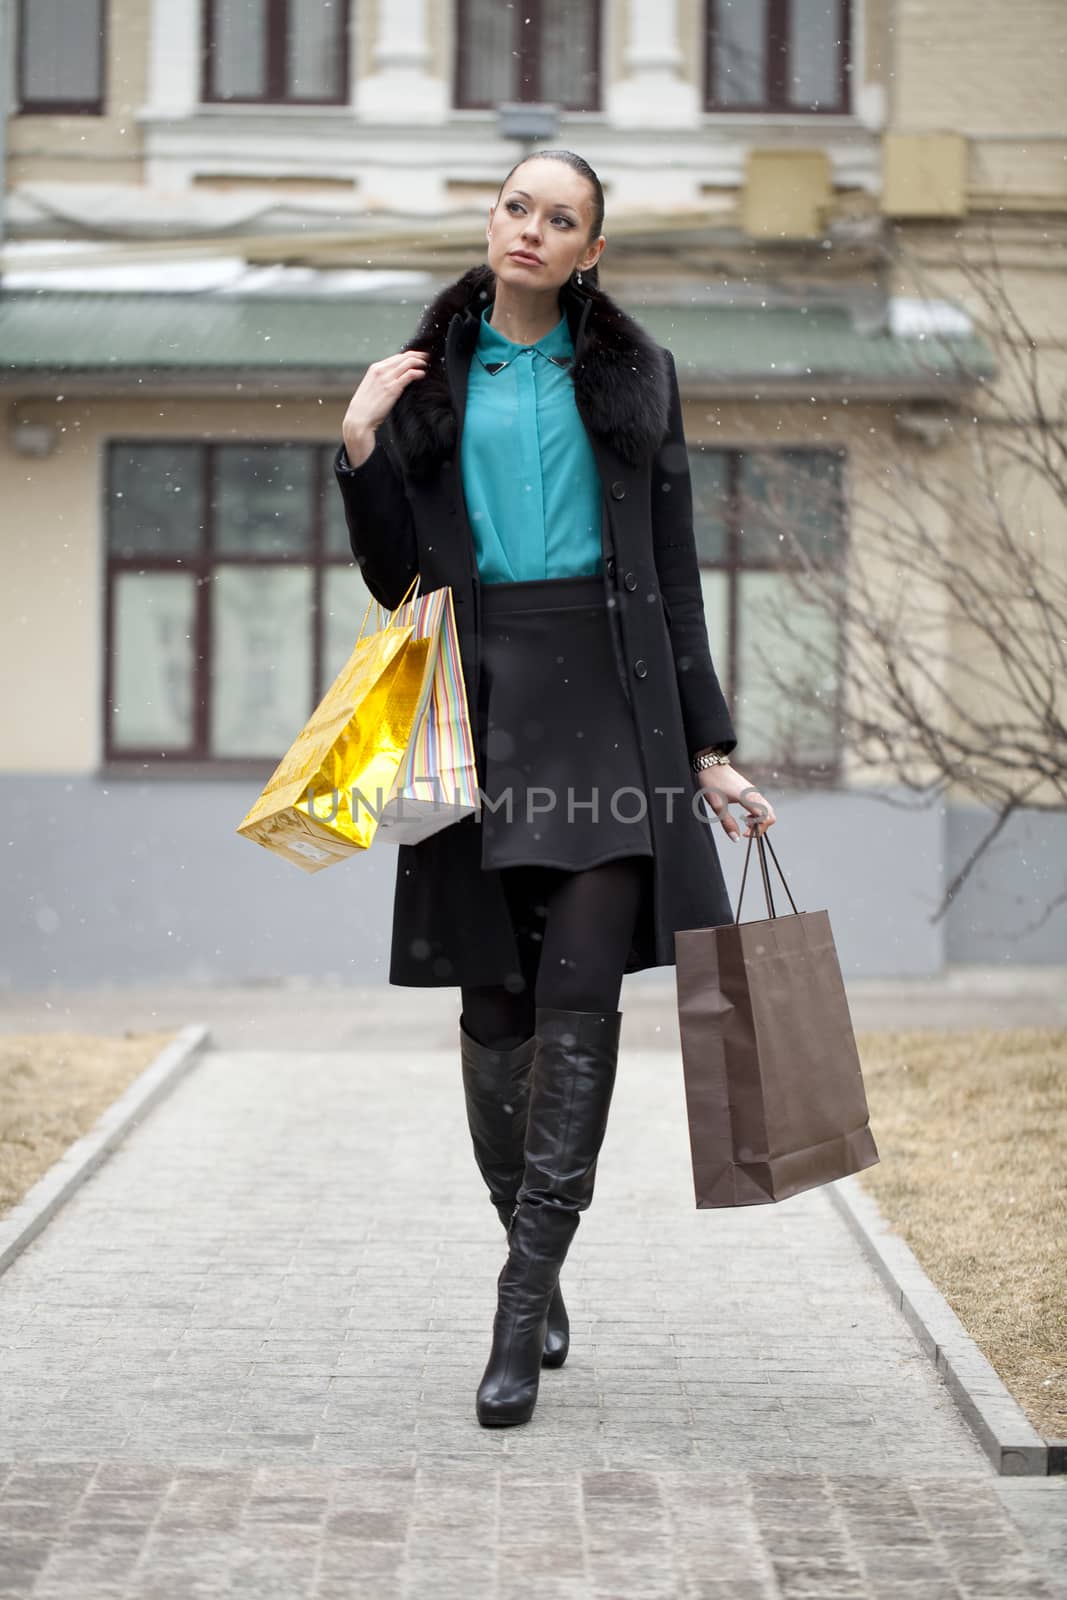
[372,602]
[761,841]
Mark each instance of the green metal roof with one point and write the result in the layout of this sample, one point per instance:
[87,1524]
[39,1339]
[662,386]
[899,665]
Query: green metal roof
[213,336]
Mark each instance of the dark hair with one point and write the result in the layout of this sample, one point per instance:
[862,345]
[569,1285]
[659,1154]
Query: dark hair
[580,165]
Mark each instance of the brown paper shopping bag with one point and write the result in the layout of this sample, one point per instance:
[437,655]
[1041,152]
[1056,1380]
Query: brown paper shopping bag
[774,1091]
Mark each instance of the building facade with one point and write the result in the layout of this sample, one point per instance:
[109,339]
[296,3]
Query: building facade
[217,213]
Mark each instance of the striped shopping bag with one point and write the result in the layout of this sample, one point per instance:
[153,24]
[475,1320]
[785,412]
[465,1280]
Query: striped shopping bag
[437,783]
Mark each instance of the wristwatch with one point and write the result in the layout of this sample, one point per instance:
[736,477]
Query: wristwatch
[710,758]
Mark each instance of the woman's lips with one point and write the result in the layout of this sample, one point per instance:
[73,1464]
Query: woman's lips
[529,261]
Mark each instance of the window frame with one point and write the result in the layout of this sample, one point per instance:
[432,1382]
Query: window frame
[776,77]
[274,95]
[732,567]
[30,107]
[197,759]
[528,61]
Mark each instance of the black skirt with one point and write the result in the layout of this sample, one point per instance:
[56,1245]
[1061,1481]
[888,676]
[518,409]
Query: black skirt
[561,774]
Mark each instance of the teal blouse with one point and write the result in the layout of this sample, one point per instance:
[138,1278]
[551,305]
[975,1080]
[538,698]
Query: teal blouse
[530,478]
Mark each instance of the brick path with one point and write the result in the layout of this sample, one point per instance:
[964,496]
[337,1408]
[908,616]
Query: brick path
[243,1361]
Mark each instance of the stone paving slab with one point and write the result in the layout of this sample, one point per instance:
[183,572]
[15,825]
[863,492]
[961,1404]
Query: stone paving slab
[86,1529]
[243,1359]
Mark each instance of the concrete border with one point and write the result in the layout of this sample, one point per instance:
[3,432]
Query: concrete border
[40,1203]
[999,1423]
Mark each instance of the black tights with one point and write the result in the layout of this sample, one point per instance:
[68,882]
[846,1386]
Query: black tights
[573,931]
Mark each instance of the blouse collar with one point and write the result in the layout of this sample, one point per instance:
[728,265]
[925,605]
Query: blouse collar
[495,351]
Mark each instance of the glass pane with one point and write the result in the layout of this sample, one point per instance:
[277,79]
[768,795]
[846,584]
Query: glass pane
[334,527]
[239,57]
[815,46]
[716,591]
[154,499]
[488,64]
[261,671]
[709,474]
[313,64]
[739,53]
[61,50]
[568,66]
[154,660]
[787,496]
[787,655]
[263,498]
[344,600]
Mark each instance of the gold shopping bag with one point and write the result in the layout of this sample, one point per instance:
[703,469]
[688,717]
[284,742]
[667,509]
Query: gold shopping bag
[322,802]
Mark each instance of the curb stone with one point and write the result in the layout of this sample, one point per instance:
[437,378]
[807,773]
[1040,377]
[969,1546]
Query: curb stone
[40,1203]
[999,1423]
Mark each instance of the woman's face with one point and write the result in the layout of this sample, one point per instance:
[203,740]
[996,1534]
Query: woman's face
[544,214]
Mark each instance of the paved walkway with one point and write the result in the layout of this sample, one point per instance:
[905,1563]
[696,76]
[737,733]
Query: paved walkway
[242,1361]
[299,1015]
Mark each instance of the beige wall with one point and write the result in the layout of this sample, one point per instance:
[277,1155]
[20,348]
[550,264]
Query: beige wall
[104,149]
[995,73]
[51,600]
[980,67]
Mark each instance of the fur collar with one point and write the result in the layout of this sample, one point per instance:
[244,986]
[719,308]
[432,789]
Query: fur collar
[621,383]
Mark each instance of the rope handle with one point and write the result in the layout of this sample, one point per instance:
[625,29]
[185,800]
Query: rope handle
[390,614]
[761,842]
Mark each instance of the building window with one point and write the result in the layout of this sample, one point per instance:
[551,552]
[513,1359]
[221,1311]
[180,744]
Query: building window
[61,52]
[758,513]
[786,56]
[275,52]
[232,601]
[543,50]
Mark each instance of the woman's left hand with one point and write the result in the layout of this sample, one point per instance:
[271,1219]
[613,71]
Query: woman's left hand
[722,784]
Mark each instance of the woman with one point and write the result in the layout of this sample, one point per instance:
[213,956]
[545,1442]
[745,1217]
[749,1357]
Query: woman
[526,449]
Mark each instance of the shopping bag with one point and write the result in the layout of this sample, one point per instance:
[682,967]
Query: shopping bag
[774,1091]
[437,783]
[323,801]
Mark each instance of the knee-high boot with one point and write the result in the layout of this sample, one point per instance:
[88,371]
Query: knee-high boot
[496,1088]
[571,1084]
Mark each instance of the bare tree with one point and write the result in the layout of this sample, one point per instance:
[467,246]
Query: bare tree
[947,611]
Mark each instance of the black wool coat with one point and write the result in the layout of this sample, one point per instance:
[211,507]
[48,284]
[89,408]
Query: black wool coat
[406,513]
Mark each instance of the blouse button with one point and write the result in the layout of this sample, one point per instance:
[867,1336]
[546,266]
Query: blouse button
[618,490]
[630,581]
[641,669]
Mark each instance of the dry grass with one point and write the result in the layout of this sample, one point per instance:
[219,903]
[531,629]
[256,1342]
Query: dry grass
[53,1086]
[972,1131]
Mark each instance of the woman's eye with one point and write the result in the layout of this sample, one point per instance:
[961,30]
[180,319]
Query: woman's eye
[515,205]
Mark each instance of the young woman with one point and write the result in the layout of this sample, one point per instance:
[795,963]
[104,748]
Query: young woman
[526,449]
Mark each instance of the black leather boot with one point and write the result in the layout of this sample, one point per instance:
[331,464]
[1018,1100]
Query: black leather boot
[571,1084]
[496,1087]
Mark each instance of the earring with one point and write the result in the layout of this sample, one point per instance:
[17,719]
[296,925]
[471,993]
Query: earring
[579,278]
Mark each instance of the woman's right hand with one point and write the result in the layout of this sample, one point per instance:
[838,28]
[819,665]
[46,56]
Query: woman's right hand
[383,383]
